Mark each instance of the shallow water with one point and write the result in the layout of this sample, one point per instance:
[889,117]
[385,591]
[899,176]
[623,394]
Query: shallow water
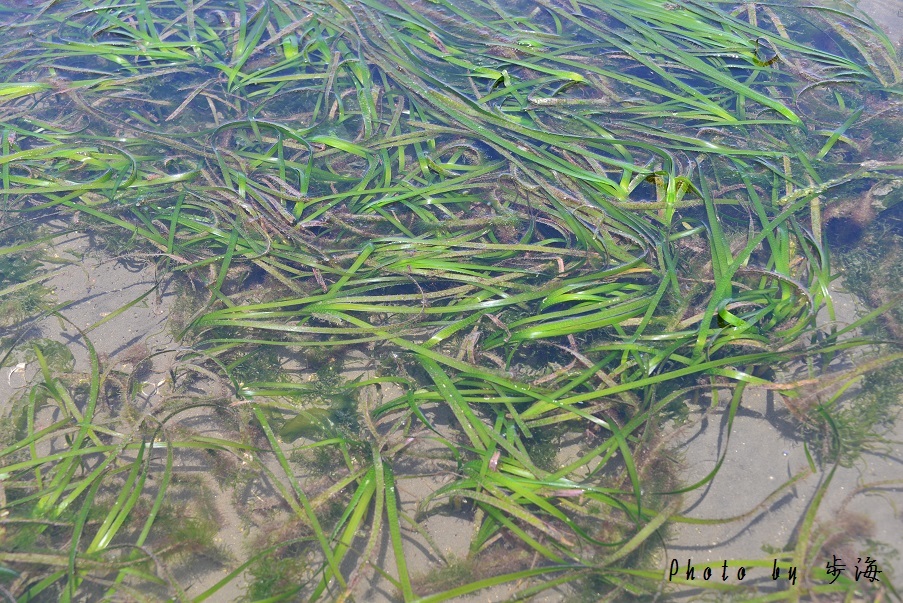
[445,285]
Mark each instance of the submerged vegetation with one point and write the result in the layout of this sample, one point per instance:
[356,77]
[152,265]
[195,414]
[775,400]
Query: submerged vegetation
[489,245]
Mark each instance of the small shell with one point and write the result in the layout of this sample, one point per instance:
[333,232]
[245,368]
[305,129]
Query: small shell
[494,461]
[19,368]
